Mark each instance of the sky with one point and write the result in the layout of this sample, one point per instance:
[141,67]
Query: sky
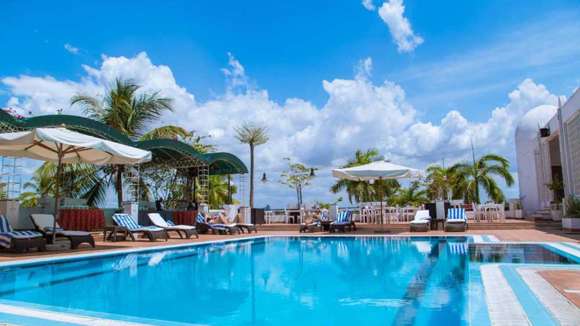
[419,80]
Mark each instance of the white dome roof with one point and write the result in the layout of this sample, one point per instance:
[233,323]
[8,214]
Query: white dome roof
[534,119]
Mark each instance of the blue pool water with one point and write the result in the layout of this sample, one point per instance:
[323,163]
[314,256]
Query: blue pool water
[280,280]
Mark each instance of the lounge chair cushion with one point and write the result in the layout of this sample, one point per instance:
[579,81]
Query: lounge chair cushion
[456,215]
[7,233]
[421,217]
[342,218]
[128,222]
[159,221]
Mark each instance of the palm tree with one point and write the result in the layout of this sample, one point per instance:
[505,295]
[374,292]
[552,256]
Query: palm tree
[470,177]
[362,191]
[413,195]
[254,136]
[218,193]
[128,111]
[77,181]
[440,181]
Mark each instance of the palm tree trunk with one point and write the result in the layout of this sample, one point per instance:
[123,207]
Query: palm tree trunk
[477,191]
[251,176]
[119,185]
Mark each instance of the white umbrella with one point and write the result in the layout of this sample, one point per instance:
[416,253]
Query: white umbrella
[65,146]
[379,170]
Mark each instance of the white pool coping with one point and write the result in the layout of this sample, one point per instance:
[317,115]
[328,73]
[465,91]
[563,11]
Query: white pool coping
[502,303]
[63,317]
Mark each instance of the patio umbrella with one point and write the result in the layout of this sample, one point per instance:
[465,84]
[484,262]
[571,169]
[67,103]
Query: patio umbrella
[378,170]
[61,145]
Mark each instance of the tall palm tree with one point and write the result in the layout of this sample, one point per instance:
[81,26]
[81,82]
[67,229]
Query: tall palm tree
[252,135]
[129,111]
[413,195]
[440,181]
[362,191]
[481,173]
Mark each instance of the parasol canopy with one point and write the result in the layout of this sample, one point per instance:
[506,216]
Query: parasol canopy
[375,171]
[54,144]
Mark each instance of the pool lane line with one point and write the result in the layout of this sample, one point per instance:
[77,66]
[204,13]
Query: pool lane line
[407,314]
[502,303]
[564,311]
[534,309]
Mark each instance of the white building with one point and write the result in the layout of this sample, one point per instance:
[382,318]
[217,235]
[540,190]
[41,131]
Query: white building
[548,153]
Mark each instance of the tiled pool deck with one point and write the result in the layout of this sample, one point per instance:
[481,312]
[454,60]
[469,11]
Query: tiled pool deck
[515,294]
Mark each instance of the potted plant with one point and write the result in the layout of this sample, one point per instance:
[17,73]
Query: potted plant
[557,187]
[571,219]
[518,213]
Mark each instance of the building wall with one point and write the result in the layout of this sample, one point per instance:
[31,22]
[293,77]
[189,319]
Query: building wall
[573,132]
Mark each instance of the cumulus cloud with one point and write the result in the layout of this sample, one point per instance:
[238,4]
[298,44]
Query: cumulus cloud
[392,13]
[368,4]
[71,49]
[358,114]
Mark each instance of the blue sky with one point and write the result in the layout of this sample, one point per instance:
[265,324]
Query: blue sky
[472,54]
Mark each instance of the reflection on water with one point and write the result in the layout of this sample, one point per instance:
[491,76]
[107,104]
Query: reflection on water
[330,281]
[517,254]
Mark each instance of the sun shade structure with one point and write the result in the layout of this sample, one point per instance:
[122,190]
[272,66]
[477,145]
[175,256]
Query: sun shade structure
[375,171]
[379,170]
[62,146]
[66,146]
[166,153]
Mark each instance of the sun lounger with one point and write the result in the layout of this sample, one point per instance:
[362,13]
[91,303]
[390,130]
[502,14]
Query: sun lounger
[184,231]
[421,221]
[44,224]
[343,222]
[128,224]
[203,226]
[456,220]
[19,240]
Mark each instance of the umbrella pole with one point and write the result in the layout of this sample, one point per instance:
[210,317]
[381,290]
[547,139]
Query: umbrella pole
[381,198]
[57,192]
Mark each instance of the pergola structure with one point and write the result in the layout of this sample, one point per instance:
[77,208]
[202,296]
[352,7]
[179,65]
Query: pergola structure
[167,153]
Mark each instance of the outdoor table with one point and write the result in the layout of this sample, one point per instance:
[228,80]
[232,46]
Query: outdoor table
[435,224]
[184,217]
[82,219]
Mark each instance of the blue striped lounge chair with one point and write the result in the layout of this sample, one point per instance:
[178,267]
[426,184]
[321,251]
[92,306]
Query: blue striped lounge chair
[420,222]
[456,220]
[343,222]
[45,223]
[184,231]
[204,227]
[24,240]
[128,225]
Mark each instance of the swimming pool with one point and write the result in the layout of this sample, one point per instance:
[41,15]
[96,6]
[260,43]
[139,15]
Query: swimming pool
[278,280]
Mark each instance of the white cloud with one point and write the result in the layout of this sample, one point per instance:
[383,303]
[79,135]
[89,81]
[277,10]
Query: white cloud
[368,4]
[358,114]
[391,13]
[71,49]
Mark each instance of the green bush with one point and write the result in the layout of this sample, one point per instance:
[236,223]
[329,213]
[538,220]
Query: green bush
[573,207]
